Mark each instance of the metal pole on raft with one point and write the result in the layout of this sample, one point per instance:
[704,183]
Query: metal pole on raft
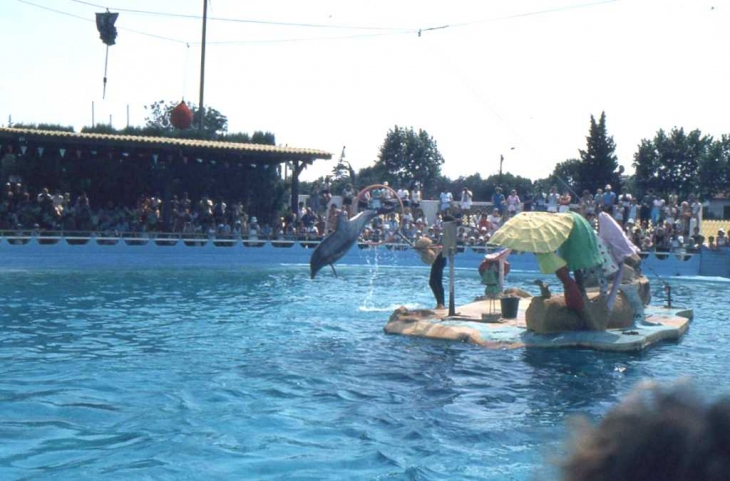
[449,245]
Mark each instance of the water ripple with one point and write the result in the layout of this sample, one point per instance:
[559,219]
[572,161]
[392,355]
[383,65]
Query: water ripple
[264,374]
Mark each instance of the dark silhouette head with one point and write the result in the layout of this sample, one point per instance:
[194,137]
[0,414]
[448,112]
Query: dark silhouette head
[666,434]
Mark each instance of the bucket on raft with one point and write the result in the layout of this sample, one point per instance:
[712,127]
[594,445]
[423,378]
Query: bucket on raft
[509,306]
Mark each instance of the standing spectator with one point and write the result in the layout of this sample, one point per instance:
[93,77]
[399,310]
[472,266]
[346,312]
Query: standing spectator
[348,196]
[633,210]
[599,201]
[527,202]
[314,197]
[587,204]
[656,210]
[564,202]
[325,194]
[552,200]
[332,216]
[647,203]
[540,202]
[416,195]
[696,216]
[513,203]
[608,199]
[404,195]
[466,198]
[498,200]
[446,199]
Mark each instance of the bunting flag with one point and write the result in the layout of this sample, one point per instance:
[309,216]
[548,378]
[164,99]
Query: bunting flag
[40,151]
[108,34]
[105,25]
[62,152]
[154,158]
[23,148]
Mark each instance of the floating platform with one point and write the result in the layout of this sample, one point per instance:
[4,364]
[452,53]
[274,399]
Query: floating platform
[473,324]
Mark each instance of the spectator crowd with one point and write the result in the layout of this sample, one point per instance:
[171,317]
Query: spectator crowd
[652,222]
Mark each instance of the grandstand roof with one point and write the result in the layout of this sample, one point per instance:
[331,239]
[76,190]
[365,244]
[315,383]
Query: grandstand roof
[188,147]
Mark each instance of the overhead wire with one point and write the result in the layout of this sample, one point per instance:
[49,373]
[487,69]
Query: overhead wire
[386,31]
[357,27]
[242,20]
[161,37]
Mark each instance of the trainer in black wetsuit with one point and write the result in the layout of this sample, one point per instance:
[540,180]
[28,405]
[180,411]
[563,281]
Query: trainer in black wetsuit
[436,279]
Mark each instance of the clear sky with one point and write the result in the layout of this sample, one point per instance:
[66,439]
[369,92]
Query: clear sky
[526,74]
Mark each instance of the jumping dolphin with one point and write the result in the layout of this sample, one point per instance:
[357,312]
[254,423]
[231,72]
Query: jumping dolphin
[336,244]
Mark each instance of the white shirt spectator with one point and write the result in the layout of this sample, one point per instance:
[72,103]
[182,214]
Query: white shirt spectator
[466,198]
[446,199]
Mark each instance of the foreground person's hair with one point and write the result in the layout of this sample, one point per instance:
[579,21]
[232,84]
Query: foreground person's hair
[656,433]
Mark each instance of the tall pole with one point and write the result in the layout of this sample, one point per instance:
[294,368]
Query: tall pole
[501,159]
[201,109]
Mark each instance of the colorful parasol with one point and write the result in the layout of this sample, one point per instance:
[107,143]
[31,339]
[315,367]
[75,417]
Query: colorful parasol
[538,232]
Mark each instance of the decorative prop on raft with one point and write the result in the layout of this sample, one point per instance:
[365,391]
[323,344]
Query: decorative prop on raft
[108,34]
[567,242]
[493,268]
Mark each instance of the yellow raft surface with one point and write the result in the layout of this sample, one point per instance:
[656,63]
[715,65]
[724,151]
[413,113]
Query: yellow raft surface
[473,325]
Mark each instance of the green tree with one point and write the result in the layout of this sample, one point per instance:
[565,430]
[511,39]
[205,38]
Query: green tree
[599,165]
[407,156]
[672,162]
[568,172]
[214,123]
[714,169]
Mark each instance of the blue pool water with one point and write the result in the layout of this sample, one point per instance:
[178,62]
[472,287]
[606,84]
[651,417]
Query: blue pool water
[263,374]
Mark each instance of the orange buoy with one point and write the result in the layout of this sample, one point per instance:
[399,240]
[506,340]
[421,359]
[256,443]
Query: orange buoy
[181,116]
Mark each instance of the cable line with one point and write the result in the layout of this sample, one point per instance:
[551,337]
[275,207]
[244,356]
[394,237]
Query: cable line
[93,21]
[241,20]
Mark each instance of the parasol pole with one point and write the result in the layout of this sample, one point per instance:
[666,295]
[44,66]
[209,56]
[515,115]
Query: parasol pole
[106,63]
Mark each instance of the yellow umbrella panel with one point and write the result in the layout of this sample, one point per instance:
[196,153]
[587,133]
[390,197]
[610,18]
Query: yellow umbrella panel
[538,232]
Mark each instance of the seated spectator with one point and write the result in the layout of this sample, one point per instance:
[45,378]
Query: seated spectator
[697,238]
[668,434]
[721,238]
[495,220]
[253,228]
[647,244]
[483,222]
